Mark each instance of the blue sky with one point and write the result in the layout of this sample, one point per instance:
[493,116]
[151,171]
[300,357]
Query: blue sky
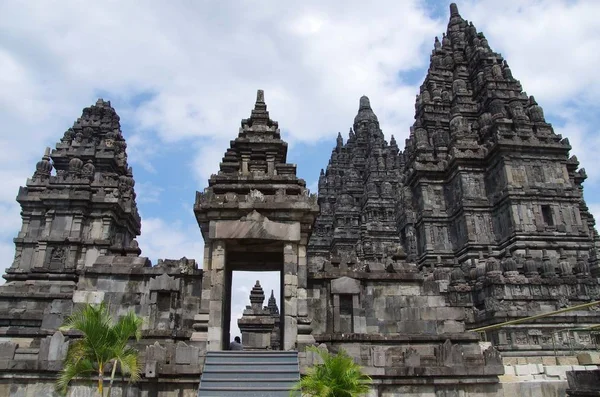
[183,75]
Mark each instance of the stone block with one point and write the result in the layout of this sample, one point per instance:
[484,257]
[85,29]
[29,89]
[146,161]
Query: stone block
[522,369]
[410,290]
[509,370]
[509,361]
[511,378]
[558,371]
[549,360]
[199,337]
[290,333]
[59,306]
[151,369]
[185,354]
[57,349]
[302,307]
[534,360]
[52,321]
[534,370]
[290,306]
[289,291]
[589,358]
[7,350]
[345,285]
[452,326]
[584,383]
[567,360]
[378,355]
[291,280]
[91,297]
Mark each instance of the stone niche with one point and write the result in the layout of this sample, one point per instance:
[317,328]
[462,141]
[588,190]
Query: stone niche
[345,292]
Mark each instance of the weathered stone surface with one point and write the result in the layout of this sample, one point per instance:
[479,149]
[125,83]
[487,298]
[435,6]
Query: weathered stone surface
[583,383]
[255,226]
[479,219]
[475,201]
[589,358]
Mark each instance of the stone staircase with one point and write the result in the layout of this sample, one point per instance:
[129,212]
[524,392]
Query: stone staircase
[249,373]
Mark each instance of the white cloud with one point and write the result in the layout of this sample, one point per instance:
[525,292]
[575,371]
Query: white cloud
[552,46]
[147,192]
[198,66]
[170,240]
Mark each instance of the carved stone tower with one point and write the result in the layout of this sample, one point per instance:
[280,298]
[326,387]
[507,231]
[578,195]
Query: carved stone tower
[257,323]
[256,214]
[83,210]
[484,196]
[357,194]
[484,168]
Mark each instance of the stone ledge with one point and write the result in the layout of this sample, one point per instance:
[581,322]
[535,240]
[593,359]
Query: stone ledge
[395,338]
[383,276]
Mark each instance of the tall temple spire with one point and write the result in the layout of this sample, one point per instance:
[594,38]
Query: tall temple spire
[470,112]
[355,192]
[272,305]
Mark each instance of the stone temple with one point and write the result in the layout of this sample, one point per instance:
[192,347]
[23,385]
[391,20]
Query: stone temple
[479,219]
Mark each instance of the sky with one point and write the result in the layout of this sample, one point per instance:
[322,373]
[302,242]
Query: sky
[182,75]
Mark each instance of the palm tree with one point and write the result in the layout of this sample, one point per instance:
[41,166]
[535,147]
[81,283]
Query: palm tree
[103,343]
[338,376]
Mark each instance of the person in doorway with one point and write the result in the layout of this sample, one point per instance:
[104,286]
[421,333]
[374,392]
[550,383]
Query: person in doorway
[236,344]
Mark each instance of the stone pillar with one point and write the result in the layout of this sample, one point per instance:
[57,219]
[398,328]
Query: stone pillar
[76,227]
[290,294]
[25,226]
[245,163]
[304,325]
[206,283]
[271,163]
[217,291]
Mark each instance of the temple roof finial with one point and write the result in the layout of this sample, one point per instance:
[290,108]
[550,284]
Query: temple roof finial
[365,103]
[260,115]
[454,10]
[365,113]
[257,295]
[260,96]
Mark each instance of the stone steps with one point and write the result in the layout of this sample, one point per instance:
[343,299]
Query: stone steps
[248,373]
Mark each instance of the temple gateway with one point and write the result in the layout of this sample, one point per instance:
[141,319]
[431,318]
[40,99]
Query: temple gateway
[479,220]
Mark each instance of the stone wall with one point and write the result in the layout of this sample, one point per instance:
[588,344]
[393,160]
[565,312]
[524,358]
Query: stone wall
[165,296]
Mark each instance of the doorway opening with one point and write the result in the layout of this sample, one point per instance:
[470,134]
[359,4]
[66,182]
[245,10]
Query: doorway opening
[246,288]
[248,262]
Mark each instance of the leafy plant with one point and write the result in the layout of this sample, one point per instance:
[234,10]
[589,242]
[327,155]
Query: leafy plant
[104,343]
[337,376]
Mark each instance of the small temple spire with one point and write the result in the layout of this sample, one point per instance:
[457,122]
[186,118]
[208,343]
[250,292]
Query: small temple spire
[260,115]
[260,96]
[257,296]
[272,305]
